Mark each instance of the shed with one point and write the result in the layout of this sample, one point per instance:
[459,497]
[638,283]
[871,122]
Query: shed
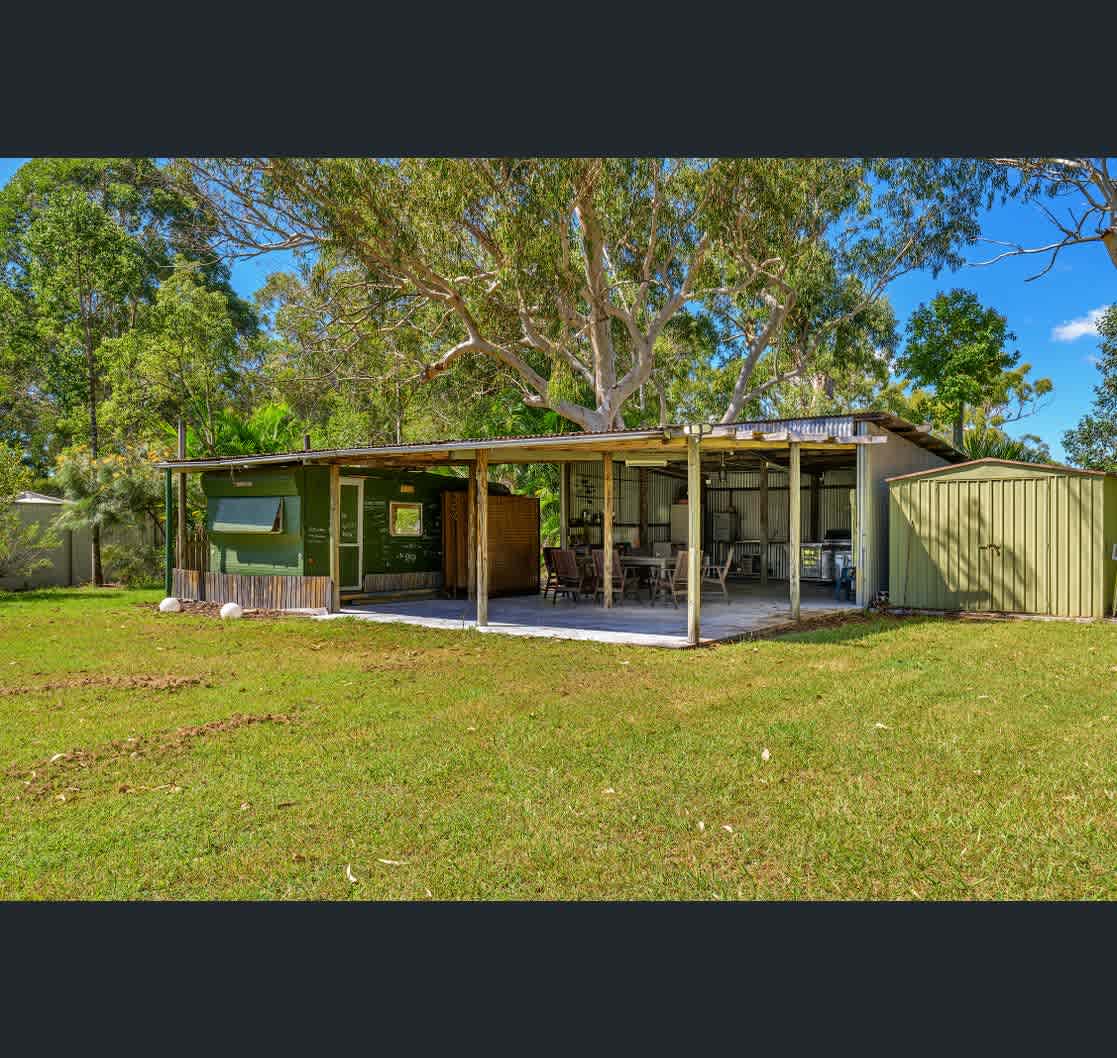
[1005,537]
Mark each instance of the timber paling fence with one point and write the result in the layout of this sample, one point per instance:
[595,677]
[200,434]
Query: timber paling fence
[253,592]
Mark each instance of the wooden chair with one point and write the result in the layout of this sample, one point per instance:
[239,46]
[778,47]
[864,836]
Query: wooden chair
[713,575]
[676,584]
[549,563]
[569,579]
[622,581]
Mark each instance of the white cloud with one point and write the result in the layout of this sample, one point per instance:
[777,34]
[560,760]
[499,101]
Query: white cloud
[1079,328]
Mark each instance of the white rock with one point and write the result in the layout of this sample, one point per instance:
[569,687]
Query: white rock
[170,605]
[231,609]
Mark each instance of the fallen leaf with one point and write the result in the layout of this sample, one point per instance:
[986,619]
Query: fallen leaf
[701,825]
[765,755]
[349,876]
[392,863]
[609,790]
[298,857]
[244,806]
[286,804]
[57,756]
[880,726]
[727,827]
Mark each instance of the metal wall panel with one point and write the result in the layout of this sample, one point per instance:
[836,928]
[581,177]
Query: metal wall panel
[876,463]
[1051,531]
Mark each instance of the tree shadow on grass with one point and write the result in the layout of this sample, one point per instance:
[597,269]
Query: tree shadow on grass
[60,595]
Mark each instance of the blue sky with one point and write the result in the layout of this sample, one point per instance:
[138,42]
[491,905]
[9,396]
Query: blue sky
[1050,316]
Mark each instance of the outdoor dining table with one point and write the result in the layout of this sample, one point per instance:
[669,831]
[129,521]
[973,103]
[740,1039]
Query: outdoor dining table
[656,565]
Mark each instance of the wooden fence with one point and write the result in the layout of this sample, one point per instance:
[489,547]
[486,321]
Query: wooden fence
[252,592]
[195,555]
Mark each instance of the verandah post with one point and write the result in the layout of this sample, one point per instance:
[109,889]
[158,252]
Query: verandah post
[168,539]
[694,537]
[180,536]
[764,524]
[607,528]
[471,534]
[335,537]
[481,470]
[794,500]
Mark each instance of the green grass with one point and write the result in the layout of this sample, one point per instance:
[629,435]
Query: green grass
[908,759]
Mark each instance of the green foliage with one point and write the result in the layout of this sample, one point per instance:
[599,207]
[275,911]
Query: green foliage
[990,443]
[182,358]
[15,476]
[84,245]
[23,547]
[113,491]
[957,346]
[269,428]
[133,565]
[1093,442]
[541,262]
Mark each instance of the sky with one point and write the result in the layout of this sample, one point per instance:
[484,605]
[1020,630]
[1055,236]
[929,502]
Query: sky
[1052,317]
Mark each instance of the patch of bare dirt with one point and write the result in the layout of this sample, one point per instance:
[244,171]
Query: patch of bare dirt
[46,776]
[213,609]
[167,682]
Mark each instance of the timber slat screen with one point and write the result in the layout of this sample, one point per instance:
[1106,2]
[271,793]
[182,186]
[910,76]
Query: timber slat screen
[254,592]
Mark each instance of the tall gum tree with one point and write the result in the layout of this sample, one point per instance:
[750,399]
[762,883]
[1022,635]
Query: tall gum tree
[575,267]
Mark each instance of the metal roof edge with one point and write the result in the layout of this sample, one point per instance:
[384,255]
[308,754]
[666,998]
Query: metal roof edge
[1006,463]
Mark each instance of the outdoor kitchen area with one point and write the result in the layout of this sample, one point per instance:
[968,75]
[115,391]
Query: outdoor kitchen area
[745,508]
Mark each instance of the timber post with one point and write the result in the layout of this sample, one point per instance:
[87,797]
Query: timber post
[471,534]
[794,500]
[180,538]
[564,505]
[645,532]
[764,524]
[607,528]
[168,545]
[694,538]
[335,537]
[481,472]
[816,481]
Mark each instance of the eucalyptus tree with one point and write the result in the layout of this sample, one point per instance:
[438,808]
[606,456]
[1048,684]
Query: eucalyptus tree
[1085,187]
[565,270]
[1093,442]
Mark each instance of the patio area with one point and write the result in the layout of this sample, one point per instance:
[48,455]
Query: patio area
[752,609]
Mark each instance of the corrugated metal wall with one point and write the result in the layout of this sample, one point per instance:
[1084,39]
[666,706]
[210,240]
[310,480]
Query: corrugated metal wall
[740,493]
[1049,528]
[876,463]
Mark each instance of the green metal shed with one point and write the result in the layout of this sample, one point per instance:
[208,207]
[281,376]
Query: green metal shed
[1001,536]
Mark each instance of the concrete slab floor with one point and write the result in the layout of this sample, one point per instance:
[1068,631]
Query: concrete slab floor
[751,609]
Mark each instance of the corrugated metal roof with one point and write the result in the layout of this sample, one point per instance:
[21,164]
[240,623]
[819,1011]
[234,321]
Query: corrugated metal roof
[838,426]
[1061,467]
[38,497]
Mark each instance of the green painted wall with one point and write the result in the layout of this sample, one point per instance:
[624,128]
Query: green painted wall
[384,553]
[304,545]
[260,553]
[1054,532]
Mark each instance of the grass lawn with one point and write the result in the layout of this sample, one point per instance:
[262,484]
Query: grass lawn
[167,756]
